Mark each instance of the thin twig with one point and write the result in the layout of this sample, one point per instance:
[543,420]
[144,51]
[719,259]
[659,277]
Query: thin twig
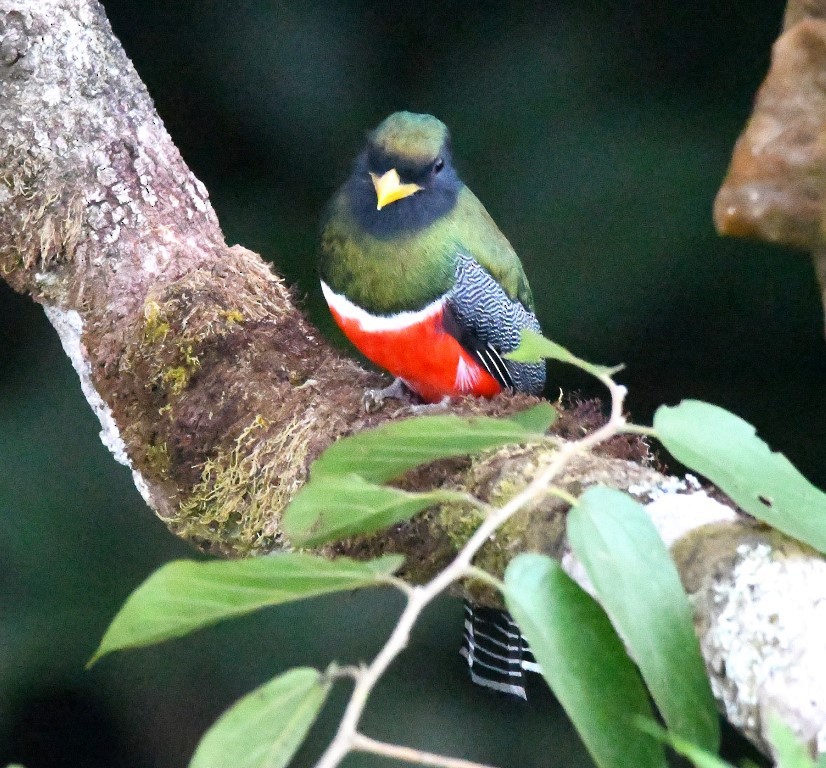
[364,743]
[418,597]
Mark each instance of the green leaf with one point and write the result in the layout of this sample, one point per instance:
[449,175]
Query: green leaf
[637,583]
[266,727]
[335,506]
[583,661]
[536,421]
[534,347]
[726,450]
[186,595]
[790,752]
[390,450]
[700,757]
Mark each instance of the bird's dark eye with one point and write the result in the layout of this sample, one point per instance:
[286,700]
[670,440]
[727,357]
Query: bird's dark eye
[438,165]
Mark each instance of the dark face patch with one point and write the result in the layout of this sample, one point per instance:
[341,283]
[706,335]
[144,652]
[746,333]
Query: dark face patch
[418,148]
[436,198]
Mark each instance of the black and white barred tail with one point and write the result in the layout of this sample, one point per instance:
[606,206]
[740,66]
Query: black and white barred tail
[497,655]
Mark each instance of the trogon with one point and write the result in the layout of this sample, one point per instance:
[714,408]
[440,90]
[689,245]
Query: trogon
[421,280]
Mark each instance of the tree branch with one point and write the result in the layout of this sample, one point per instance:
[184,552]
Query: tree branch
[213,387]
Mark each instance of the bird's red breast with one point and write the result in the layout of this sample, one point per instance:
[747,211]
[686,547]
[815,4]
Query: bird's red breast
[415,347]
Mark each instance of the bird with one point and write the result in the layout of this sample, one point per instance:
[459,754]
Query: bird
[417,274]
[421,280]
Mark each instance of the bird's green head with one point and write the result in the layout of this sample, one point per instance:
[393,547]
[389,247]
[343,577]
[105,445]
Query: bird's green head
[413,140]
[404,179]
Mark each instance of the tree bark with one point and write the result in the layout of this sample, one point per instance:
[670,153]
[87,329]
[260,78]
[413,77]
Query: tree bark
[213,387]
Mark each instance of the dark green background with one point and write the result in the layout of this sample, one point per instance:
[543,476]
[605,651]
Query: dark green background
[595,133]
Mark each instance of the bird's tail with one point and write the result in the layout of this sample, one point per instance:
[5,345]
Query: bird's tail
[497,655]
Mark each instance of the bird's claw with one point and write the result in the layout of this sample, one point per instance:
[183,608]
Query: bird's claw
[373,399]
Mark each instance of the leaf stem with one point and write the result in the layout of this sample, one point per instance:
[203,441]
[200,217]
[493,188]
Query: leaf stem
[334,672]
[473,572]
[640,429]
[561,493]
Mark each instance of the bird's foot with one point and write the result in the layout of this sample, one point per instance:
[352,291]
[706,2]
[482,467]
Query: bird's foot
[373,399]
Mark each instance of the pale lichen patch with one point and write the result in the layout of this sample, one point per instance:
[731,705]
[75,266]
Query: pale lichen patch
[69,327]
[765,641]
[52,95]
[676,514]
[664,486]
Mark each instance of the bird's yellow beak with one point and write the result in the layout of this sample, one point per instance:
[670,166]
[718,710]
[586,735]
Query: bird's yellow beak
[389,188]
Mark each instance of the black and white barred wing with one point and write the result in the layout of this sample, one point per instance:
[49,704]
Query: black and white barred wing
[487,323]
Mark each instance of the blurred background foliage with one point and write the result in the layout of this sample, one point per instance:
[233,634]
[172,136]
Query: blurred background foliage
[596,133]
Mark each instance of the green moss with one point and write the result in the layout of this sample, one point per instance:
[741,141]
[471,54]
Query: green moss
[242,492]
[172,355]
[495,555]
[174,380]
[496,477]
[157,457]
[505,490]
[191,360]
[155,326]
[459,523]
[233,316]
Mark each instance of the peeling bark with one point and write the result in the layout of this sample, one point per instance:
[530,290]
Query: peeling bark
[212,386]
